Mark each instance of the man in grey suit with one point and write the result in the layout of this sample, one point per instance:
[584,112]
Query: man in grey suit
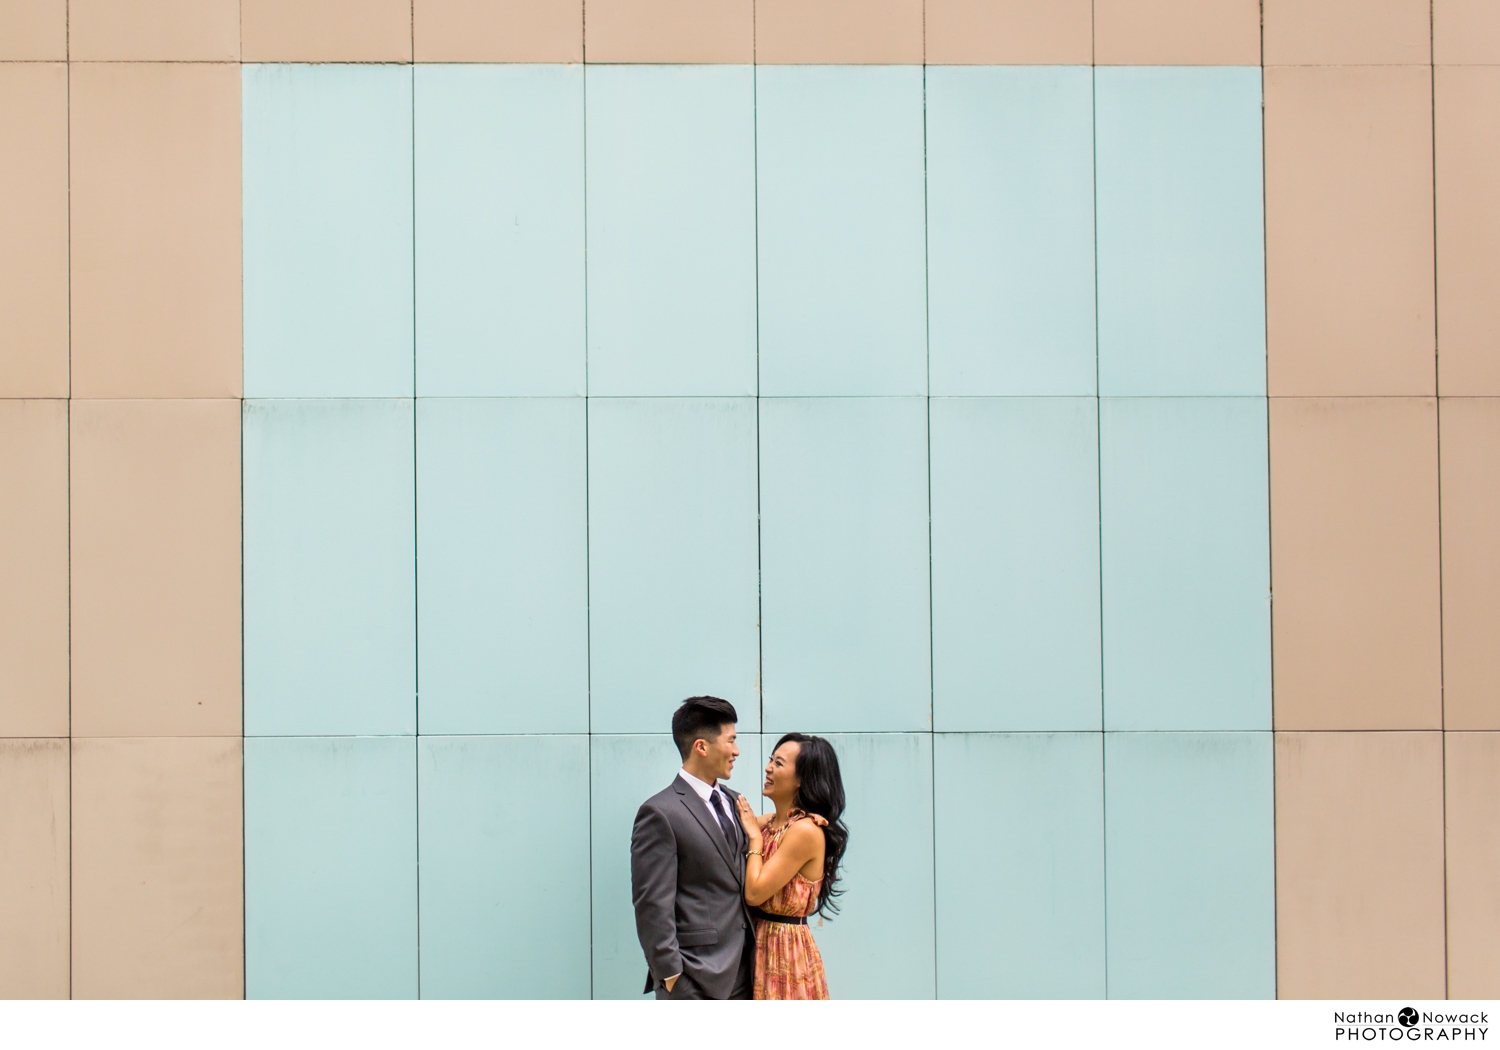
[687,867]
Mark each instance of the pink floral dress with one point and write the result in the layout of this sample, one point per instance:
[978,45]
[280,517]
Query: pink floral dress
[788,964]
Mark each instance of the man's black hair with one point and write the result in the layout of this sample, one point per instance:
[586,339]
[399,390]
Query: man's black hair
[700,718]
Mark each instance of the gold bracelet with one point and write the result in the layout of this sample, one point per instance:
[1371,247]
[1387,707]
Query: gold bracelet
[753,853]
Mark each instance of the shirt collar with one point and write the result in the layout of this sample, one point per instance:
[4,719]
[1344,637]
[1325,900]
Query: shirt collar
[704,790]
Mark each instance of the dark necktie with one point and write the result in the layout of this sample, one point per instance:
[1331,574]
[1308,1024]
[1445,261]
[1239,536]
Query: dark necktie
[717,801]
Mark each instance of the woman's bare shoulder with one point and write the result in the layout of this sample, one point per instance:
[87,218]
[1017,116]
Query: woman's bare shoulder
[803,830]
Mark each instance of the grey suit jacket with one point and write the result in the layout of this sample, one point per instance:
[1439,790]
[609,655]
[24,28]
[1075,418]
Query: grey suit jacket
[689,890]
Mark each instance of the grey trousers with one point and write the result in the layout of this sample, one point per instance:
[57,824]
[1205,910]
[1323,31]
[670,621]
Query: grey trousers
[744,980]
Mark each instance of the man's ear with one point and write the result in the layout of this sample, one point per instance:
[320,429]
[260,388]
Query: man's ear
[700,747]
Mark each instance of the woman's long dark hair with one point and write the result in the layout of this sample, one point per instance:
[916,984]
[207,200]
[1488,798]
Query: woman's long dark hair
[820,790]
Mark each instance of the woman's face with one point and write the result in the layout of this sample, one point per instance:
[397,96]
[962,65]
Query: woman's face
[781,773]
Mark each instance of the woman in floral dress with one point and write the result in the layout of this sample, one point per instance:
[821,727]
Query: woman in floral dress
[791,871]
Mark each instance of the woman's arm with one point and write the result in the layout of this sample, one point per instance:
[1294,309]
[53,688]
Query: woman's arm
[799,844]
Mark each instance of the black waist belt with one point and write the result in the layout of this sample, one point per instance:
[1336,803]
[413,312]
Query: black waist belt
[790,920]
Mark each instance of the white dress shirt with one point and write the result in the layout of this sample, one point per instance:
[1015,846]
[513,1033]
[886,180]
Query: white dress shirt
[706,792]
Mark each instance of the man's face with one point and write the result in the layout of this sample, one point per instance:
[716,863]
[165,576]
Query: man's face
[722,752]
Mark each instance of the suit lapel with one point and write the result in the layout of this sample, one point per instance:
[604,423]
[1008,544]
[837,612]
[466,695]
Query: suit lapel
[710,824]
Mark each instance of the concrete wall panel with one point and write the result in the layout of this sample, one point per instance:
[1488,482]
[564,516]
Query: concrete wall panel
[33,30]
[158,899]
[34,568]
[1467,159]
[156,568]
[862,32]
[1177,32]
[154,30]
[1347,32]
[1465,32]
[33,227]
[1359,865]
[1471,562]
[1008,32]
[1349,253]
[326,30]
[155,200]
[497,30]
[1354,550]
[34,868]
[1471,764]
[669,31]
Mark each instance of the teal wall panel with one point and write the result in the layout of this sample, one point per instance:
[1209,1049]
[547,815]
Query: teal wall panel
[499,230]
[504,852]
[845,560]
[502,573]
[624,772]
[1019,842]
[756,275]
[1190,844]
[671,230]
[331,868]
[839,199]
[329,567]
[1181,231]
[1186,563]
[1010,229]
[1015,564]
[673,606]
[880,946]
[327,170]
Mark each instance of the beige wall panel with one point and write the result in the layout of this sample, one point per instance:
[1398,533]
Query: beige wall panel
[154,30]
[325,30]
[158,894]
[1349,256]
[669,31]
[33,229]
[1359,865]
[1177,32]
[1467,141]
[1466,31]
[1347,32]
[1472,767]
[1471,562]
[33,30]
[33,568]
[1355,564]
[1010,32]
[156,230]
[33,869]
[156,568]
[854,32]
[497,30]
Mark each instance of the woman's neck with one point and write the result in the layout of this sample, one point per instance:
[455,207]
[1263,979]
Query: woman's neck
[783,811]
